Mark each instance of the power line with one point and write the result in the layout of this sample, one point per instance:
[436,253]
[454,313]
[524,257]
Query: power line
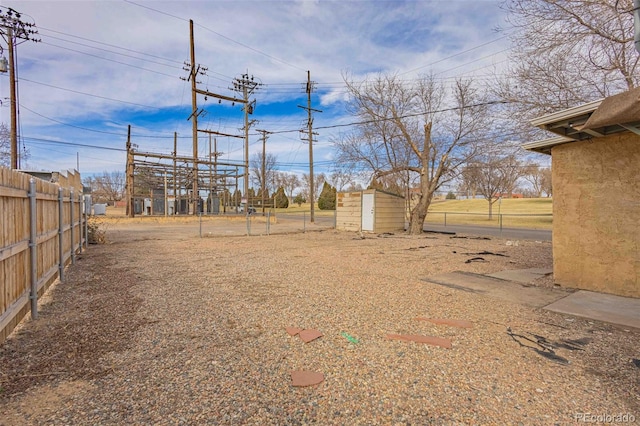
[456,54]
[417,114]
[110,60]
[95,130]
[246,46]
[122,54]
[111,45]
[90,94]
[109,51]
[51,141]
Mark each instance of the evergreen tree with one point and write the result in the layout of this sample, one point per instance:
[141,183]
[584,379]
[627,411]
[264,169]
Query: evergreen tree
[327,199]
[237,196]
[281,201]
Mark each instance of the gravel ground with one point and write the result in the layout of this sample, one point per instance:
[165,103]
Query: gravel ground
[154,330]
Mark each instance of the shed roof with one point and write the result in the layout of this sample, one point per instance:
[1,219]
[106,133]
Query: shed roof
[595,119]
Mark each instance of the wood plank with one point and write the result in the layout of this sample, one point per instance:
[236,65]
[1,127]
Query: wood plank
[13,249]
[13,192]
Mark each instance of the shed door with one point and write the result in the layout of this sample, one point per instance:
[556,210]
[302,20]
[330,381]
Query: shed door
[367,212]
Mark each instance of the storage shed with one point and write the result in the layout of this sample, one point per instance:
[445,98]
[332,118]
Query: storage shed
[370,211]
[596,194]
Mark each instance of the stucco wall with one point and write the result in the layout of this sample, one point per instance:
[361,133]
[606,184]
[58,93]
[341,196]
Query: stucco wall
[596,214]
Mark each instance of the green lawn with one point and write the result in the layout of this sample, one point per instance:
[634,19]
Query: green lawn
[515,212]
[532,213]
[507,206]
[305,207]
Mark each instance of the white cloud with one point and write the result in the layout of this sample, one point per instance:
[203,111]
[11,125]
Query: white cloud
[134,54]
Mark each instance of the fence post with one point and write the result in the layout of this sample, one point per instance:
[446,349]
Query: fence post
[73,248]
[445,218]
[304,222]
[87,210]
[500,217]
[268,223]
[80,224]
[61,233]
[200,221]
[33,248]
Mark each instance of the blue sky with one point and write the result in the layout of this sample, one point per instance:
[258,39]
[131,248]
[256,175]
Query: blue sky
[103,65]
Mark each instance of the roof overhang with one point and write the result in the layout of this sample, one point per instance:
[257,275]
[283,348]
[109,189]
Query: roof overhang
[615,114]
[544,146]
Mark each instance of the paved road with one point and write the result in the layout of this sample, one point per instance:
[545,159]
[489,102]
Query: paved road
[320,220]
[300,221]
[515,233]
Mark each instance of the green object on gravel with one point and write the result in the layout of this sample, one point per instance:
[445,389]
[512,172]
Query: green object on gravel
[350,338]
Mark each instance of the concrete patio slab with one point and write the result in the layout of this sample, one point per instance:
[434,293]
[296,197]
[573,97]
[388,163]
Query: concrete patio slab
[624,311]
[599,306]
[522,275]
[497,288]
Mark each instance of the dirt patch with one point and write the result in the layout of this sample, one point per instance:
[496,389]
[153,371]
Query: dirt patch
[90,314]
[160,326]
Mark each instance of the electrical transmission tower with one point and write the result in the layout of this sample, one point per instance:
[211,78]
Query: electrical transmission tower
[194,71]
[310,133]
[246,85]
[13,29]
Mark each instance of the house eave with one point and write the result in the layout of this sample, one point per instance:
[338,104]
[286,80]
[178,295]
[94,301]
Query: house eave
[544,146]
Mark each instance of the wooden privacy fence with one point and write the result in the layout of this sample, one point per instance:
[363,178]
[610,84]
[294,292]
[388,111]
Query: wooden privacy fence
[43,227]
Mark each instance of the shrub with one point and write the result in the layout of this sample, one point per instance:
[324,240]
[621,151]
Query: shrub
[299,199]
[96,234]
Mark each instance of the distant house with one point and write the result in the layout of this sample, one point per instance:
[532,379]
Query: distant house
[596,193]
[510,195]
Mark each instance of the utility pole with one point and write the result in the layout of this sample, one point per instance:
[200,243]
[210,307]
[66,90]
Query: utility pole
[210,203]
[194,117]
[14,108]
[12,29]
[310,133]
[246,85]
[129,179]
[215,163]
[176,199]
[264,165]
[195,70]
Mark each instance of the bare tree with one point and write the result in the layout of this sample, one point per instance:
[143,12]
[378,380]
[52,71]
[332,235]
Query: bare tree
[397,183]
[408,130]
[341,179]
[469,181]
[109,187]
[318,182]
[535,175]
[5,148]
[288,181]
[565,53]
[545,182]
[257,171]
[495,175]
